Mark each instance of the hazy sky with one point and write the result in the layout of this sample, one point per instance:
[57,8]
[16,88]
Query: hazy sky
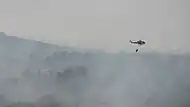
[106,24]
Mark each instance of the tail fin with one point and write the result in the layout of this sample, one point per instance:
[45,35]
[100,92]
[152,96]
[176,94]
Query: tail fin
[130,41]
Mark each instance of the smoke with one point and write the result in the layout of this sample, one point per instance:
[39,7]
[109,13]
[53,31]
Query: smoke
[48,77]
[107,80]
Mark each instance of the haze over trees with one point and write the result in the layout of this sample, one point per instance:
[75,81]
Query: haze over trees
[36,74]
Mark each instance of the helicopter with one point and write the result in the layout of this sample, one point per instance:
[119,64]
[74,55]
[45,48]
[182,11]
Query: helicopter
[139,42]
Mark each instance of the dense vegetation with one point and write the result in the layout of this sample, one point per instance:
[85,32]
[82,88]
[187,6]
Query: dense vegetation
[35,74]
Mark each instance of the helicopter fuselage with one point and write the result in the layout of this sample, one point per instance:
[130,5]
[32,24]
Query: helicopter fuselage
[140,42]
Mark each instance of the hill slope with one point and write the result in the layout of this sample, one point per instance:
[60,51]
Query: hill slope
[31,70]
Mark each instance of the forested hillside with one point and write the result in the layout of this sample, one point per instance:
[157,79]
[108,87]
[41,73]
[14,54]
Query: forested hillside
[36,74]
